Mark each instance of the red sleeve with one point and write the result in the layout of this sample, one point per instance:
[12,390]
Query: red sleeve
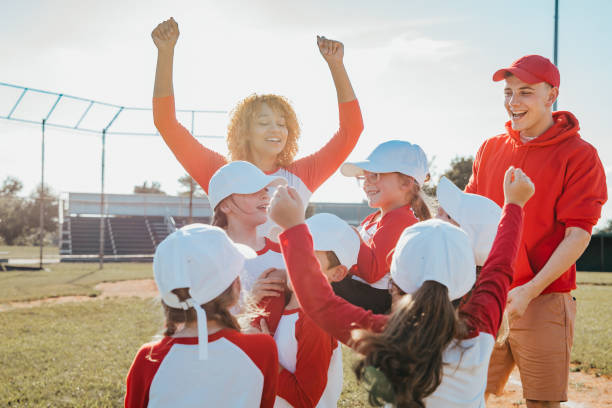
[472,185]
[272,307]
[486,306]
[332,313]
[200,162]
[143,369]
[374,261]
[313,170]
[261,348]
[304,388]
[584,190]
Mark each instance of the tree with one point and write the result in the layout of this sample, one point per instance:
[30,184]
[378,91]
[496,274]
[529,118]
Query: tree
[193,189]
[20,217]
[12,219]
[50,210]
[460,171]
[606,229]
[154,188]
[10,186]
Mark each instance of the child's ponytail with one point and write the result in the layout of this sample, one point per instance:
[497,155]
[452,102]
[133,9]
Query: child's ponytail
[416,200]
[403,364]
[217,310]
[418,204]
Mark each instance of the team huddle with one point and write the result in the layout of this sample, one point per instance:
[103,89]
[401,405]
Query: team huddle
[439,308]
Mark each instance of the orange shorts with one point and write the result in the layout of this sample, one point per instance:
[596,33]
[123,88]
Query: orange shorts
[539,343]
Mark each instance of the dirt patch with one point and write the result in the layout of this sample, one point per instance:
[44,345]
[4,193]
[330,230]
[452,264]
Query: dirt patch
[141,288]
[48,301]
[585,391]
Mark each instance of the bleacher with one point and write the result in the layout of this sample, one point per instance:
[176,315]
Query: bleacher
[124,235]
[134,224]
[81,236]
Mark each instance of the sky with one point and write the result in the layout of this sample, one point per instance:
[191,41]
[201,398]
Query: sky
[421,71]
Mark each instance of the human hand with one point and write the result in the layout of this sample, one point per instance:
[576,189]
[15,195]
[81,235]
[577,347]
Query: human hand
[518,188]
[263,328]
[286,207]
[165,35]
[518,300]
[270,283]
[331,50]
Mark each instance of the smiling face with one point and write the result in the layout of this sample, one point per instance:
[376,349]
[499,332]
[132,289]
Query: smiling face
[387,191]
[529,106]
[267,132]
[247,209]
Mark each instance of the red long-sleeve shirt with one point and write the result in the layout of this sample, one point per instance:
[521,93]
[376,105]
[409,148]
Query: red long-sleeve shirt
[374,260]
[570,190]
[311,361]
[333,314]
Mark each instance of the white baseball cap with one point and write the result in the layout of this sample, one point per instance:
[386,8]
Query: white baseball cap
[434,250]
[239,177]
[202,258]
[477,215]
[389,157]
[331,233]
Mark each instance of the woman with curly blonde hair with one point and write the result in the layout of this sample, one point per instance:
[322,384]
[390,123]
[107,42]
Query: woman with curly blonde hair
[263,129]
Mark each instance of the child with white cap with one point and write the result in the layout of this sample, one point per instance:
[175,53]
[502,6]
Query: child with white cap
[239,196]
[310,358]
[478,216]
[392,177]
[425,353]
[203,358]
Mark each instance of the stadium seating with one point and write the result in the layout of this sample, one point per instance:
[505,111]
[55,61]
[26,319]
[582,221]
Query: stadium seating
[127,235]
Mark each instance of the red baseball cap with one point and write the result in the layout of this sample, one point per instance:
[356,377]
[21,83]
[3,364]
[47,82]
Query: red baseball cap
[532,69]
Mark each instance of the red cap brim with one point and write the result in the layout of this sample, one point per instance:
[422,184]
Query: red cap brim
[519,73]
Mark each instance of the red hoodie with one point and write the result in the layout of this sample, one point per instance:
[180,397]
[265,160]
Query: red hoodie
[570,190]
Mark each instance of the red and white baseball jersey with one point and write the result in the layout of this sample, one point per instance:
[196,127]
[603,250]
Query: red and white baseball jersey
[311,361]
[241,371]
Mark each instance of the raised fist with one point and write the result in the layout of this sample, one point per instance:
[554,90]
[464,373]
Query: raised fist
[165,35]
[286,208]
[331,50]
[518,188]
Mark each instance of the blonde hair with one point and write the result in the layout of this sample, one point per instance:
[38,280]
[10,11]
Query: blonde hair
[242,117]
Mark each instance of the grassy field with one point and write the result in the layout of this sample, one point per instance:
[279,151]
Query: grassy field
[15,251]
[593,330]
[77,354]
[63,279]
[73,354]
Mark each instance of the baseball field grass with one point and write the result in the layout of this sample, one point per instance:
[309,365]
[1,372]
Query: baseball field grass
[78,353]
[66,279]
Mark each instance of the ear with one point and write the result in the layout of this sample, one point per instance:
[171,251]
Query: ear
[405,182]
[553,94]
[338,273]
[225,206]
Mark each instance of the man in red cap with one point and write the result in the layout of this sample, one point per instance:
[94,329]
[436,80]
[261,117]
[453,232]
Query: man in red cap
[570,191]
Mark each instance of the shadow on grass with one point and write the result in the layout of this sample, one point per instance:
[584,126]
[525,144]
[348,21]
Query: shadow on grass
[82,276]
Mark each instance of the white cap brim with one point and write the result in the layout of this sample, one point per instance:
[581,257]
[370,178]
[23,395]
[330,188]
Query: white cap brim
[356,169]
